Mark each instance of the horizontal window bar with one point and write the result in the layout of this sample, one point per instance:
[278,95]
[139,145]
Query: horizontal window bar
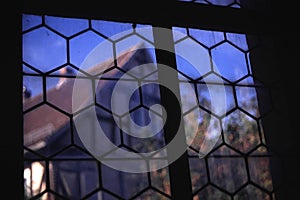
[182,14]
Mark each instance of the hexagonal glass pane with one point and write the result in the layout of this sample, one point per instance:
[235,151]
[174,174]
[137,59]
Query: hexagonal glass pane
[34,178]
[132,44]
[46,130]
[160,180]
[109,97]
[150,93]
[94,142]
[191,124]
[253,97]
[251,192]
[207,38]
[188,96]
[217,98]
[227,172]
[194,64]
[142,117]
[77,139]
[198,173]
[60,91]
[66,26]
[142,132]
[239,40]
[241,131]
[126,159]
[52,82]
[229,62]
[260,171]
[211,193]
[178,33]
[140,66]
[30,21]
[44,49]
[108,124]
[32,91]
[203,131]
[112,30]
[247,100]
[74,179]
[89,49]
[123,184]
[145,31]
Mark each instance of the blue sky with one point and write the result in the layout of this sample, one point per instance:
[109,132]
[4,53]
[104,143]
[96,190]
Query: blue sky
[45,47]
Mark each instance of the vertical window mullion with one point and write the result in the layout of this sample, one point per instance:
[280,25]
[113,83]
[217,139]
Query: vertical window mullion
[179,172]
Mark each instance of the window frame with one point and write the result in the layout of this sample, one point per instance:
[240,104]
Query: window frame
[186,14]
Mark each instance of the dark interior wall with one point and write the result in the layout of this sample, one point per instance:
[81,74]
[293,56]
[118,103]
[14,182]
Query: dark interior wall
[276,63]
[281,126]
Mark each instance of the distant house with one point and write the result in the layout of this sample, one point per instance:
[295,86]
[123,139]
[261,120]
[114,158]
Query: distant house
[50,137]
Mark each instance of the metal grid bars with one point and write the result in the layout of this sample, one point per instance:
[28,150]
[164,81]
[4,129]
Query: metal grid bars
[59,52]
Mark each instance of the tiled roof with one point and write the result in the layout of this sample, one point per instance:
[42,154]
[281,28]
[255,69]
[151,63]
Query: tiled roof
[43,121]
